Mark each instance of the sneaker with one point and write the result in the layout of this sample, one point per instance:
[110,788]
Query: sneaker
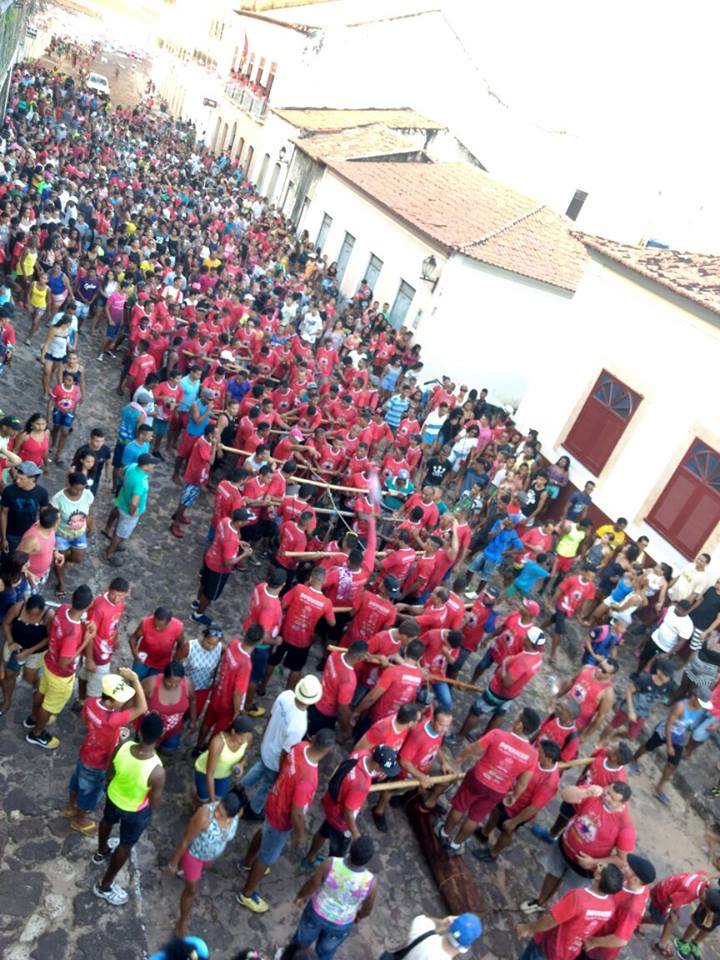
[28,723]
[98,858]
[115,895]
[542,833]
[634,767]
[531,906]
[255,711]
[682,948]
[43,740]
[440,830]
[194,604]
[101,357]
[454,849]
[254,902]
[200,618]
[311,864]
[380,821]
[249,814]
[243,868]
[695,950]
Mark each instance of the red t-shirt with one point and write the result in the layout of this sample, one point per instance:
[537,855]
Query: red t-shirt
[371,614]
[596,831]
[266,610]
[294,787]
[521,668]
[474,630]
[399,683]
[351,795]
[233,675]
[573,593]
[432,618]
[678,890]
[386,732]
[579,914]
[565,737]
[304,606]
[103,733]
[166,398]
[141,367]
[224,547]
[629,910]
[586,691]
[421,746]
[157,643]
[339,681]
[398,563]
[106,617]
[227,499]
[600,773]
[65,638]
[197,471]
[292,538]
[65,400]
[383,644]
[539,792]
[506,757]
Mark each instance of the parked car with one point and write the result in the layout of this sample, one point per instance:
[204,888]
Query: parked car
[99,84]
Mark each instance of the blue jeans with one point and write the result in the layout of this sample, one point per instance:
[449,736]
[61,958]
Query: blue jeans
[263,778]
[142,671]
[442,695]
[329,935]
[532,952]
[701,730]
[89,785]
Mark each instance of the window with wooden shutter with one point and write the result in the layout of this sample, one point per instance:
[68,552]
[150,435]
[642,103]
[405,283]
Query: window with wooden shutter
[688,509]
[601,422]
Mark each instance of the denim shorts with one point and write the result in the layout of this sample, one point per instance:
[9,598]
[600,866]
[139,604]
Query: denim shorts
[221,784]
[132,822]
[272,844]
[88,783]
[260,657]
[488,703]
[79,543]
[61,418]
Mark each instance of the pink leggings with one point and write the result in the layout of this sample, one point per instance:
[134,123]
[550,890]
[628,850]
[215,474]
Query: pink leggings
[192,868]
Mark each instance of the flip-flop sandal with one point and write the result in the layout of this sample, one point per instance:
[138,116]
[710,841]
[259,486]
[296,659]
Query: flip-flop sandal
[663,951]
[663,798]
[87,831]
[61,594]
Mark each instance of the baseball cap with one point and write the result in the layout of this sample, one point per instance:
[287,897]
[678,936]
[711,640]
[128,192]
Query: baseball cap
[641,867]
[492,591]
[403,473]
[197,950]
[11,422]
[536,636]
[29,469]
[704,696]
[532,607]
[115,687]
[386,758]
[226,355]
[464,931]
[392,585]
[246,515]
[143,397]
[308,690]
[215,632]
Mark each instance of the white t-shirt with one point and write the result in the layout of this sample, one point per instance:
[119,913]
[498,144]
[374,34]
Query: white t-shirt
[433,948]
[672,627]
[287,726]
[690,581]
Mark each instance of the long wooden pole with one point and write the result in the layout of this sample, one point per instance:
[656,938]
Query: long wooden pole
[580,762]
[322,483]
[406,784]
[432,678]
[246,453]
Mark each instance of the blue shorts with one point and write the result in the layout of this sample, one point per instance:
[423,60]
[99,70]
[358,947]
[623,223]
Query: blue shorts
[160,427]
[142,671]
[79,543]
[112,330]
[88,783]
[489,703]
[62,419]
[259,657]
[117,459]
[222,785]
[483,565]
[171,743]
[132,822]
[189,494]
[272,843]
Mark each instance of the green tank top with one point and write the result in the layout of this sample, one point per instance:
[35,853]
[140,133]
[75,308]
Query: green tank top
[228,759]
[128,788]
[569,545]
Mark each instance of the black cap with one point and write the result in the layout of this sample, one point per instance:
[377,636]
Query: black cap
[386,758]
[392,585]
[642,868]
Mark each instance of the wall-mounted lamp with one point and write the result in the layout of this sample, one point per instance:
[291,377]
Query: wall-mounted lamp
[430,272]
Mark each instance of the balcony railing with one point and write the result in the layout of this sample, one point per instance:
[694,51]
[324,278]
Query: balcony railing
[243,97]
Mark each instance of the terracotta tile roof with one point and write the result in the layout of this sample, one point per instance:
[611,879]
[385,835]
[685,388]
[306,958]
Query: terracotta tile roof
[375,140]
[695,276]
[325,120]
[464,210]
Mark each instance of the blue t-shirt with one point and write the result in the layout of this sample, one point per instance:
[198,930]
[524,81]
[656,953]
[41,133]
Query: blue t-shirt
[396,408]
[132,452]
[529,575]
[578,502]
[603,642]
[501,542]
[128,422]
[190,390]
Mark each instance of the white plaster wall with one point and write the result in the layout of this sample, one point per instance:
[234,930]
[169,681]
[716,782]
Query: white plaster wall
[401,251]
[660,350]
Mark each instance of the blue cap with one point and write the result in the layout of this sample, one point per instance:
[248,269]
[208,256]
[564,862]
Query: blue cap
[197,949]
[465,930]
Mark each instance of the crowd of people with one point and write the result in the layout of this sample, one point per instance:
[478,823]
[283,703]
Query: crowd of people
[405,534]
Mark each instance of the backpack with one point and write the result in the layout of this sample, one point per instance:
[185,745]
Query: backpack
[336,780]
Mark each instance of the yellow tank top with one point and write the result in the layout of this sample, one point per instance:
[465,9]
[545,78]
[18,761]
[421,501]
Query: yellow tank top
[128,788]
[226,761]
[38,297]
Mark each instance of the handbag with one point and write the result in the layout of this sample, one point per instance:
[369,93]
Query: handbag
[404,951]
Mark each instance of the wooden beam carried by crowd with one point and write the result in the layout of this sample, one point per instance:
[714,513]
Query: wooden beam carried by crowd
[407,784]
[460,684]
[245,453]
[323,484]
[455,883]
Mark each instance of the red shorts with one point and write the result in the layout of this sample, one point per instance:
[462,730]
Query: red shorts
[219,717]
[201,699]
[186,445]
[179,420]
[620,718]
[192,868]
[564,564]
[475,799]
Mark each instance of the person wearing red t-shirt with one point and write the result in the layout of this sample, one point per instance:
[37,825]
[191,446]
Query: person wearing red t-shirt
[509,638]
[228,693]
[293,538]
[62,405]
[167,395]
[392,731]
[504,764]
[103,716]
[265,609]
[69,636]
[560,727]
[507,817]
[372,612]
[669,896]
[479,621]
[304,605]
[195,477]
[563,932]
[228,497]
[397,684]
[398,563]
[441,649]
[425,502]
[630,903]
[592,689]
[286,810]
[346,793]
[339,681]
[223,556]
[143,364]
[511,676]
[105,612]
[157,639]
[344,582]
[431,615]
[572,598]
[601,828]
[381,647]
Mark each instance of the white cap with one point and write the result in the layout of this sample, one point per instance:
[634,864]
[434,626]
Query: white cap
[536,636]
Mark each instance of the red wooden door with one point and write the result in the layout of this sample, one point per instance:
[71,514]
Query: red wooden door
[688,509]
[601,422]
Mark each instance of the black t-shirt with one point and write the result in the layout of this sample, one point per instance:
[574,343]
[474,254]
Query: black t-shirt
[437,470]
[101,457]
[23,507]
[707,610]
